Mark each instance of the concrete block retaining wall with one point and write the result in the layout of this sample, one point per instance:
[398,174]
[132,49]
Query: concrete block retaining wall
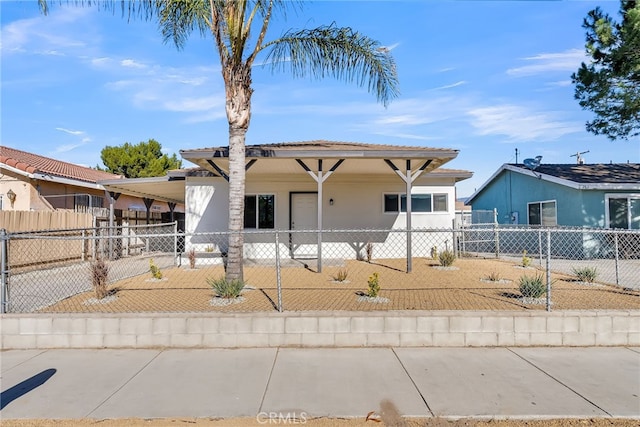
[321,329]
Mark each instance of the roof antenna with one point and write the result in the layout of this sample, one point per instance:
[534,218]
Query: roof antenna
[516,156]
[578,156]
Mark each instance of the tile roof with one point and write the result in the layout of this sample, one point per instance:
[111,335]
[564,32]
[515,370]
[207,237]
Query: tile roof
[34,163]
[602,173]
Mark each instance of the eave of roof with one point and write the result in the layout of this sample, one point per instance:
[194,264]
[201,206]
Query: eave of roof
[324,149]
[606,186]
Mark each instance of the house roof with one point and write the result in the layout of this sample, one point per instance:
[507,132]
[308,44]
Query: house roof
[600,173]
[361,158]
[33,164]
[323,148]
[599,176]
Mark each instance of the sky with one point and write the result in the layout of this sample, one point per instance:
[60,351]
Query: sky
[486,78]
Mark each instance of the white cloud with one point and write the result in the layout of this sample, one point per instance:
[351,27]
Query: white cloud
[67,147]
[456,84]
[567,61]
[130,63]
[71,132]
[519,123]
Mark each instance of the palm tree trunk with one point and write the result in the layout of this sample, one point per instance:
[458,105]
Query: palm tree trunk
[238,105]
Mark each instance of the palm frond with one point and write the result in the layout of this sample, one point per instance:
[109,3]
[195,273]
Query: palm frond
[337,52]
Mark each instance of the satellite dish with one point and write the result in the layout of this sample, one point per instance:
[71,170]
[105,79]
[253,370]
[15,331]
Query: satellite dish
[532,163]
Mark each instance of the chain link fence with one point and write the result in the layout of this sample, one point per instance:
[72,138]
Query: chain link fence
[482,267]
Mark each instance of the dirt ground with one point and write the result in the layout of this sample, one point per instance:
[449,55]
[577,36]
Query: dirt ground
[427,287]
[324,422]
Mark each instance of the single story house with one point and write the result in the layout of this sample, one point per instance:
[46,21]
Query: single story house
[31,182]
[575,195]
[588,196]
[320,186]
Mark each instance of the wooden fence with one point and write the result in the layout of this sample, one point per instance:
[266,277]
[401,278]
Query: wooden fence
[15,221]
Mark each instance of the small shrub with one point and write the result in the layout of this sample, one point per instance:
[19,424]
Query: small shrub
[225,288]
[494,276]
[99,274]
[369,251]
[155,270]
[446,258]
[586,274]
[209,248]
[434,252]
[526,261]
[532,287]
[341,275]
[192,258]
[374,285]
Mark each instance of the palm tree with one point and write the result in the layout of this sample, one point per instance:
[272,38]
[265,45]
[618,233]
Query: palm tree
[324,51]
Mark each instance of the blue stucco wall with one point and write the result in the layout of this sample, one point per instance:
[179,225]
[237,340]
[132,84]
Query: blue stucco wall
[511,191]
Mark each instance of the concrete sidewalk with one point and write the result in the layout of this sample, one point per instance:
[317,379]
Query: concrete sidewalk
[520,383]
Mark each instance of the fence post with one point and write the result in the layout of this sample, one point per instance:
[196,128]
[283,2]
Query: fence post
[548,270]
[497,239]
[4,272]
[615,240]
[278,278]
[175,243]
[455,242]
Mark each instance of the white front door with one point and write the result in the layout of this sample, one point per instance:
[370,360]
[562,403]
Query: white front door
[304,216]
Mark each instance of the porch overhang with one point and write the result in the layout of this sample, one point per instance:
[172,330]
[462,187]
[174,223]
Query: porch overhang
[358,158]
[169,188]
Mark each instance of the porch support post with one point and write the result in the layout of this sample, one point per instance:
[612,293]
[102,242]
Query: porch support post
[408,177]
[172,207]
[148,202]
[320,181]
[320,178]
[409,181]
[113,196]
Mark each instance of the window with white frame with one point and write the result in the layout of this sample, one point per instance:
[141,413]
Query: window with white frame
[395,202]
[542,213]
[623,211]
[259,211]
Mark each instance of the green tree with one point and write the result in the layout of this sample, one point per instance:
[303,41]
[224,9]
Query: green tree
[239,29]
[141,160]
[609,85]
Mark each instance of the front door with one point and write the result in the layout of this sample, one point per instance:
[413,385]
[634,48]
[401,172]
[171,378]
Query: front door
[304,216]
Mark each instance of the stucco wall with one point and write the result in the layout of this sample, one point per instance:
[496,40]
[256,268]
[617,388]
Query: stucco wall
[357,205]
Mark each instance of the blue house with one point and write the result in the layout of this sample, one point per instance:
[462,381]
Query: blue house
[573,195]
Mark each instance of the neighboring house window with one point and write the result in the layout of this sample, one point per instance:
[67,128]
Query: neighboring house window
[85,200]
[259,211]
[394,203]
[623,211]
[542,213]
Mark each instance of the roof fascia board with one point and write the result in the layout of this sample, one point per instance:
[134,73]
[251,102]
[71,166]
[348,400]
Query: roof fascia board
[487,182]
[53,178]
[285,154]
[610,186]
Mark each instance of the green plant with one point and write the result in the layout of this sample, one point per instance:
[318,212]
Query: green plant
[369,251]
[209,248]
[192,258]
[434,252]
[526,261]
[374,285]
[532,287]
[99,274]
[446,258]
[494,276]
[586,274]
[225,288]
[341,275]
[155,270]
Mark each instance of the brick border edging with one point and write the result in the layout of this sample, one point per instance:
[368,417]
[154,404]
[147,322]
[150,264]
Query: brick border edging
[322,329]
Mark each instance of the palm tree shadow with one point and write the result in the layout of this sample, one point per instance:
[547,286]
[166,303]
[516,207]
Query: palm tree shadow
[20,389]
